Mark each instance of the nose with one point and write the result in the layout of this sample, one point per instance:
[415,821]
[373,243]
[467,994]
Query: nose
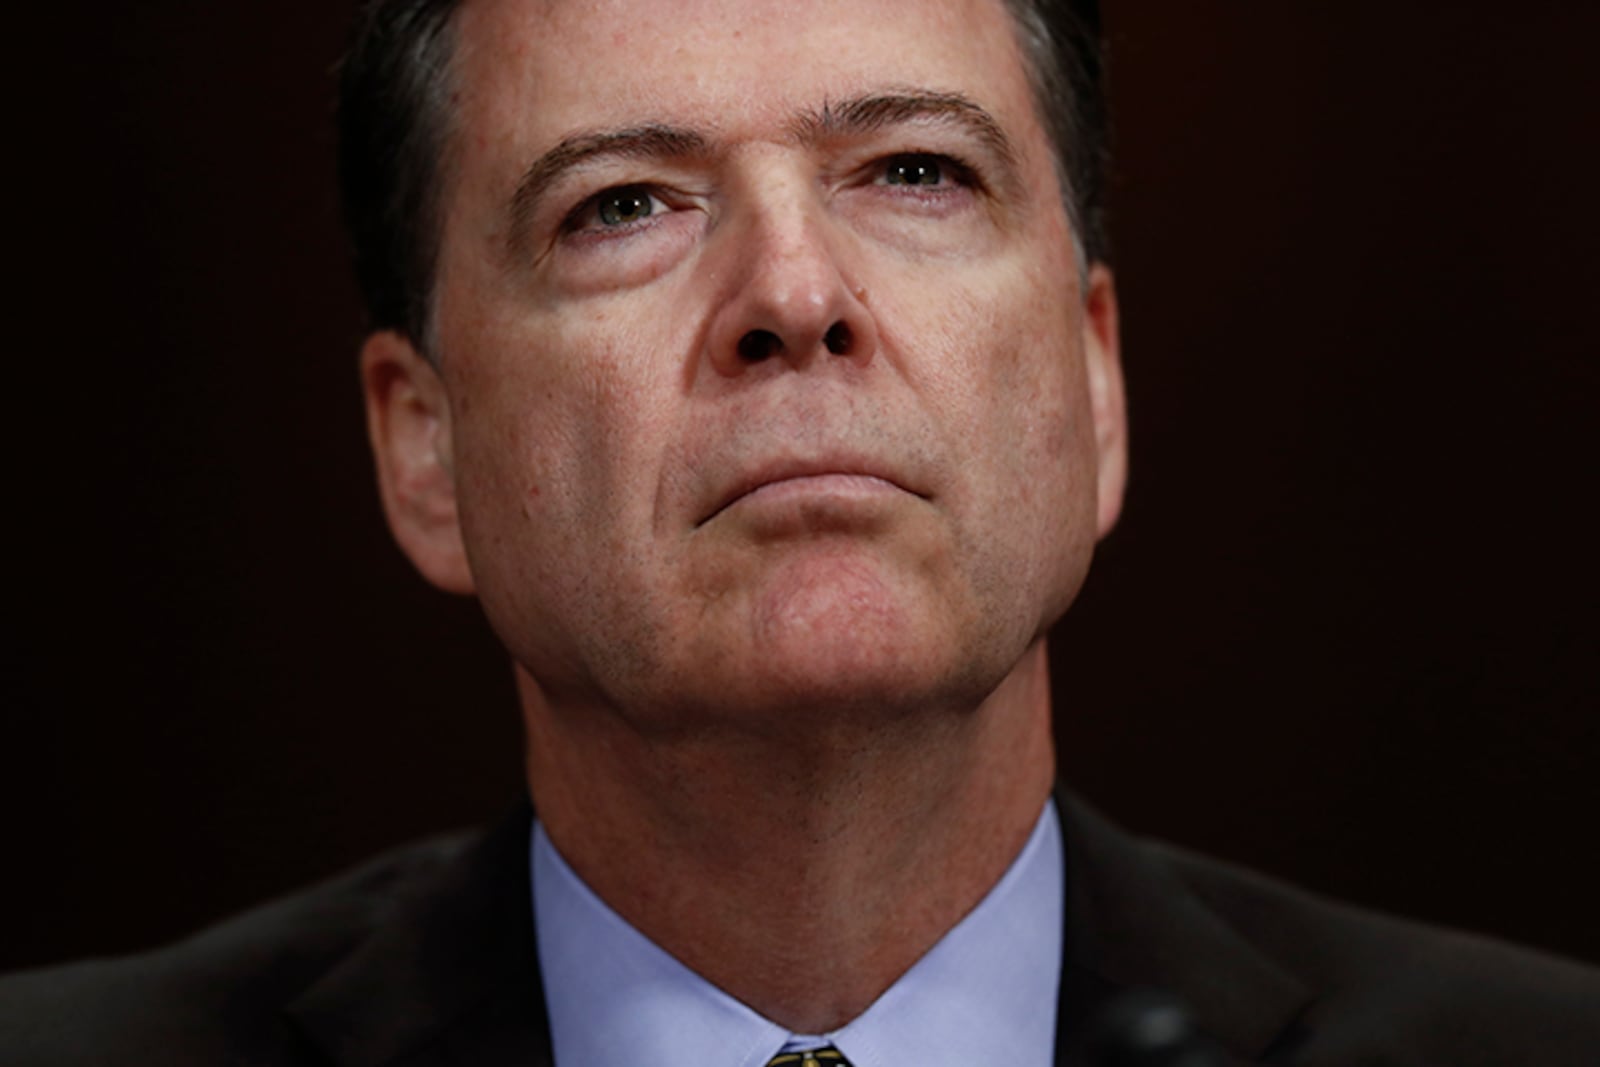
[791,299]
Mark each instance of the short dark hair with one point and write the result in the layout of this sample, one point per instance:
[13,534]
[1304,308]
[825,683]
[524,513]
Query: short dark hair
[394,97]
[1063,45]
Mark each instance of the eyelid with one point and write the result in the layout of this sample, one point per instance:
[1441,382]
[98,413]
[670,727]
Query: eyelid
[954,170]
[579,219]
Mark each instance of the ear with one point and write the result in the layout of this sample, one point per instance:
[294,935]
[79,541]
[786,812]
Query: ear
[408,423]
[1102,348]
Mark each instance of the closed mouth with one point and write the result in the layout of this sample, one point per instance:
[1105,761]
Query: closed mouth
[842,476]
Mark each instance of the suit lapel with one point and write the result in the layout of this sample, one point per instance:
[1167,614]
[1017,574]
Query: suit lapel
[1131,923]
[451,977]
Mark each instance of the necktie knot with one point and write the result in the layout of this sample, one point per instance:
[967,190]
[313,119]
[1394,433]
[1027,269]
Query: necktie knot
[820,1057]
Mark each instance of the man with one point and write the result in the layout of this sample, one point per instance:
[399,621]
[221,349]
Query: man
[756,365]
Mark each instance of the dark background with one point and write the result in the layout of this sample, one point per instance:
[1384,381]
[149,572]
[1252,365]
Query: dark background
[1346,630]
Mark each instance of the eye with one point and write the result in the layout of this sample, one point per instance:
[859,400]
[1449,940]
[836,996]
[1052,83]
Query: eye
[918,170]
[621,206]
[615,209]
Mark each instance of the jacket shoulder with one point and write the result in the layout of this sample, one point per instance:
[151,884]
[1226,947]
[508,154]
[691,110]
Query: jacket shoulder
[215,997]
[1391,990]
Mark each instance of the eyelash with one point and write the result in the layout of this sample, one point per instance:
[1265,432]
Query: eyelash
[954,174]
[953,171]
[580,220]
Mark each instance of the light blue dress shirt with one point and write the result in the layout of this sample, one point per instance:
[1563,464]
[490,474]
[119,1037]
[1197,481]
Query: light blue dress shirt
[984,994]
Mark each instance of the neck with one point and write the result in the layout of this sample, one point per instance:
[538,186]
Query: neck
[843,862]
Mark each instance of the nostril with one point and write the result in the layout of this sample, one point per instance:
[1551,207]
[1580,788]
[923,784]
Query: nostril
[757,345]
[837,339]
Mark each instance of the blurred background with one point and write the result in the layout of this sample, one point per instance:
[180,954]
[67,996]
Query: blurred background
[1345,632]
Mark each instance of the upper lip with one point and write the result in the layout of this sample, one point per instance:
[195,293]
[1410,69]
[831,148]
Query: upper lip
[773,471]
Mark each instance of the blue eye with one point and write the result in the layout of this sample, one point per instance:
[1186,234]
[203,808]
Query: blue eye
[914,170]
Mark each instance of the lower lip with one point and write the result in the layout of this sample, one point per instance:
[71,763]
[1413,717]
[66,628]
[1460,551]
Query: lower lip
[837,485]
[813,489]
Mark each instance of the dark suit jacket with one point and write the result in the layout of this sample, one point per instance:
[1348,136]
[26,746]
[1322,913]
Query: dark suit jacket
[427,957]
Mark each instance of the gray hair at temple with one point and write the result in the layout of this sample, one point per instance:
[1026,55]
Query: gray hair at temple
[393,118]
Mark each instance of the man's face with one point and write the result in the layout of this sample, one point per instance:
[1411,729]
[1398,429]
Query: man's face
[773,387]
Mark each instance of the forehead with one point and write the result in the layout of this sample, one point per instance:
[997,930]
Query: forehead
[530,72]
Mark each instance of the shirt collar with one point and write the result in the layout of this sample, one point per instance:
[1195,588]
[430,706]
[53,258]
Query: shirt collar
[985,992]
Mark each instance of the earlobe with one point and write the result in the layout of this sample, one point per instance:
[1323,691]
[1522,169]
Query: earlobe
[1102,346]
[408,423]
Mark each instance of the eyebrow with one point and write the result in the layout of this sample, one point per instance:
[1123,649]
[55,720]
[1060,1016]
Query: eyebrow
[853,117]
[874,111]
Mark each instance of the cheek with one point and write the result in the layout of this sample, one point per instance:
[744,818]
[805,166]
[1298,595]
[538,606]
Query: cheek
[997,357]
[563,410]
[557,458]
[1003,376]
[560,443]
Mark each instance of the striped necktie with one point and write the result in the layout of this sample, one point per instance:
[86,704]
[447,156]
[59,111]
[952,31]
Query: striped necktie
[819,1057]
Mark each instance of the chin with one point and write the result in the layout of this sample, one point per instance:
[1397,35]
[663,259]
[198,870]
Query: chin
[844,641]
[821,699]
